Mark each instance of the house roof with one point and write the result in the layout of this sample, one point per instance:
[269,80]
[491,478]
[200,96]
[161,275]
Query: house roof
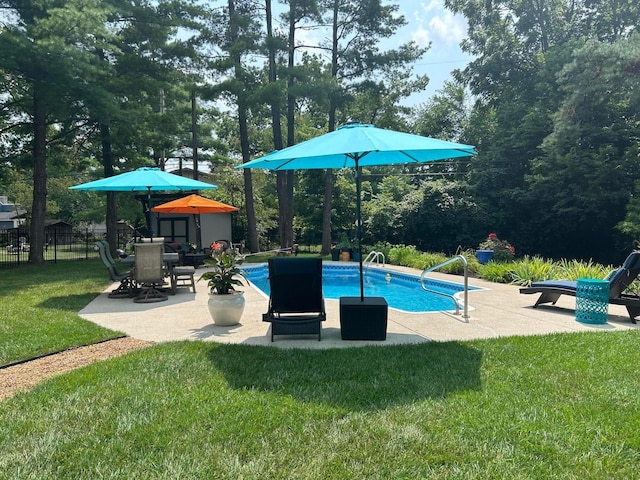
[9,211]
[8,216]
[50,223]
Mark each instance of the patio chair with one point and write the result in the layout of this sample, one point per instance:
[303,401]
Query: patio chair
[619,280]
[296,303]
[149,272]
[127,285]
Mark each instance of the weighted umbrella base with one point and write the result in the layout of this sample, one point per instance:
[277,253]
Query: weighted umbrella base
[363,319]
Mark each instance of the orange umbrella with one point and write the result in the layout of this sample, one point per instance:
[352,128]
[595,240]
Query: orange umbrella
[195,205]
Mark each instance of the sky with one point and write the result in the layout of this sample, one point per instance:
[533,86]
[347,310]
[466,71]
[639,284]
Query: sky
[429,21]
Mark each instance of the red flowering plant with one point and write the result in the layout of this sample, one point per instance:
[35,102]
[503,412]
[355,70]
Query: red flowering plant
[503,251]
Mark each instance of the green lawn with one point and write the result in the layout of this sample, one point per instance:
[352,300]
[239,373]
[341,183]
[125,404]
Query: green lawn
[39,312]
[559,406]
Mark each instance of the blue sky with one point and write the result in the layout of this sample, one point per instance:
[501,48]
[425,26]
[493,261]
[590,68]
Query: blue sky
[429,21]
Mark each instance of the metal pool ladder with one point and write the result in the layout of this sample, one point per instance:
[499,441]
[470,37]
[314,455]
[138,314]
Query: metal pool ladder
[374,257]
[465,315]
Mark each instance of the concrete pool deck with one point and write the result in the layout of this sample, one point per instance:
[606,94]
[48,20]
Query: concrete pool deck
[496,310]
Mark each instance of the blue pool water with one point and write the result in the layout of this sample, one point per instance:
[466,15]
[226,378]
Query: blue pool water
[402,291]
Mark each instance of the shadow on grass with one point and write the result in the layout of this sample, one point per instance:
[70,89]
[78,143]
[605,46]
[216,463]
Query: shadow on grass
[364,378]
[69,303]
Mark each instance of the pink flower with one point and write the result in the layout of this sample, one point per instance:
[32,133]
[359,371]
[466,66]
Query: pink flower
[492,236]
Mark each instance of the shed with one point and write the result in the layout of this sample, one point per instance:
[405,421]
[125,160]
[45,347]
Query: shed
[58,231]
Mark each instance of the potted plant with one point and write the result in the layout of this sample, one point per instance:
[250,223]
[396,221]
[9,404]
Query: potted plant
[335,252]
[225,303]
[494,248]
[345,250]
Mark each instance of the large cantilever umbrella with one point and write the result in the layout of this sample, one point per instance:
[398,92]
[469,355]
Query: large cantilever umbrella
[145,179]
[358,145]
[194,205]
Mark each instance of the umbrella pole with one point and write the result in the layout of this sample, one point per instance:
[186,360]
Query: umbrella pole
[196,219]
[359,227]
[149,214]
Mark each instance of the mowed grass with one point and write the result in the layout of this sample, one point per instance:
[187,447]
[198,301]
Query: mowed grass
[557,406]
[39,308]
[560,406]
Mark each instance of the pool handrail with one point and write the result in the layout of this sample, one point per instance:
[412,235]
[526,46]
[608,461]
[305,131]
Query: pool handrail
[461,258]
[374,257]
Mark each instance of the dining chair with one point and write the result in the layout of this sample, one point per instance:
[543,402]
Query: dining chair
[149,272]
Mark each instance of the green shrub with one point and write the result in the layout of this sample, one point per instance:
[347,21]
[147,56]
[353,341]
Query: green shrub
[401,254]
[473,265]
[425,260]
[533,269]
[383,247]
[575,269]
[498,272]
[521,272]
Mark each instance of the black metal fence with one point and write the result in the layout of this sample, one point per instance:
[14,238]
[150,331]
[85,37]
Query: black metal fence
[61,245]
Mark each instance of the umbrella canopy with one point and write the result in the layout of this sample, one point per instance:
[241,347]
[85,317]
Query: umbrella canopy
[148,179]
[358,145]
[144,179]
[194,204]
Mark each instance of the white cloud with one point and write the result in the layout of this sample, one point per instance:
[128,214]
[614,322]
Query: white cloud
[432,22]
[421,36]
[448,28]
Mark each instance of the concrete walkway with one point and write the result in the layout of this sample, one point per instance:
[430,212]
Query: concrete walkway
[495,311]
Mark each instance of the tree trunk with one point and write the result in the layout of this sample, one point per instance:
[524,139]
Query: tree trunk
[194,133]
[273,78]
[39,205]
[251,213]
[252,231]
[326,213]
[329,178]
[285,196]
[112,207]
[281,177]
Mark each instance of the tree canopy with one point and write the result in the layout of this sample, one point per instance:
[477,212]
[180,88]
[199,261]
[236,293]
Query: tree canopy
[551,100]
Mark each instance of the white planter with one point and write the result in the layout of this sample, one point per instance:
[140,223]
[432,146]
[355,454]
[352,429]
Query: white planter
[226,309]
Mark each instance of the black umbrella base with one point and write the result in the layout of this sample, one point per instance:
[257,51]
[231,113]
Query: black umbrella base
[363,319]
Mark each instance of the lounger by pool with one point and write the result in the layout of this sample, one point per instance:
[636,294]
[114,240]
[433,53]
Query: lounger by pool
[619,280]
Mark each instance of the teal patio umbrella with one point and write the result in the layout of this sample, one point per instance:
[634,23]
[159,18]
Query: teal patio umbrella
[358,145]
[144,179]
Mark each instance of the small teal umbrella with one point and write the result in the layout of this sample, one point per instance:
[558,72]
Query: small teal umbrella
[144,179]
[359,145]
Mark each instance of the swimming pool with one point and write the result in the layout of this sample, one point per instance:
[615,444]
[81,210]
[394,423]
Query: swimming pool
[402,291]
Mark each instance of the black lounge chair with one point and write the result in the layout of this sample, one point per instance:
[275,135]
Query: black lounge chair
[619,280]
[296,303]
